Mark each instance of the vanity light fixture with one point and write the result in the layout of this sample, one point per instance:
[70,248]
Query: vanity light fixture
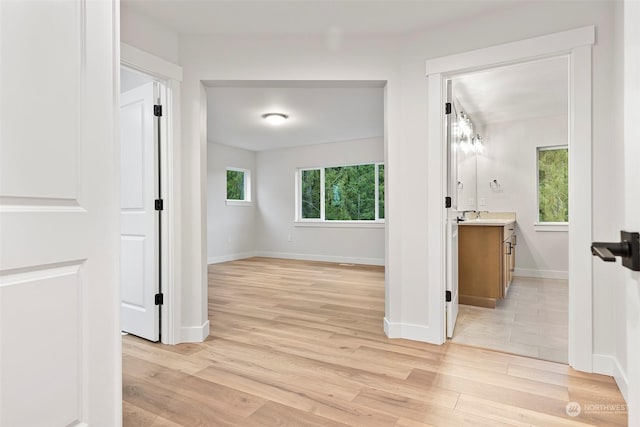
[275,118]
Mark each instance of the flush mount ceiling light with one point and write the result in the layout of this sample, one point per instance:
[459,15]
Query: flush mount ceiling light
[275,118]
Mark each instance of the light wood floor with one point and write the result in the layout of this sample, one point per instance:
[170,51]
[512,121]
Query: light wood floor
[532,321]
[301,344]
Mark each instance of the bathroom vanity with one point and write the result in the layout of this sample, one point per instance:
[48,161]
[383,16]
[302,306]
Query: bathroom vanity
[486,259]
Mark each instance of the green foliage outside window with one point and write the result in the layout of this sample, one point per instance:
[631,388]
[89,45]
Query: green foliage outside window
[381,191]
[350,193]
[311,194]
[235,185]
[553,185]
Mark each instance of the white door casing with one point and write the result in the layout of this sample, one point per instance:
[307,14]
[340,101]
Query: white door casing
[632,200]
[576,44]
[452,216]
[60,347]
[139,219]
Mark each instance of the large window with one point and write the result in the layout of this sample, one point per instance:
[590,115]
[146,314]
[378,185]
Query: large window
[238,185]
[342,193]
[553,184]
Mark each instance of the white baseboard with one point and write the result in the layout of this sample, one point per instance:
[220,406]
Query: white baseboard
[323,258]
[609,365]
[230,257]
[411,332]
[541,274]
[194,333]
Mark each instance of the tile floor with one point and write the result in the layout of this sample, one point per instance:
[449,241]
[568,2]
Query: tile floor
[532,321]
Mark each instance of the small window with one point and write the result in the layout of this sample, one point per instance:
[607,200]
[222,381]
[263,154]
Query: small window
[238,185]
[553,184]
[380,188]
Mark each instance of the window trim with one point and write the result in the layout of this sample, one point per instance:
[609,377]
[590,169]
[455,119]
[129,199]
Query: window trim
[247,187]
[548,225]
[299,221]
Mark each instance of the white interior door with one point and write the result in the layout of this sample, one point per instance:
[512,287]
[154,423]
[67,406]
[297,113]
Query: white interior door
[452,215]
[139,219]
[59,337]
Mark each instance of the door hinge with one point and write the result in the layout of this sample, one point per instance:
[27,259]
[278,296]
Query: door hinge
[159,299]
[159,204]
[157,110]
[448,296]
[447,108]
[447,202]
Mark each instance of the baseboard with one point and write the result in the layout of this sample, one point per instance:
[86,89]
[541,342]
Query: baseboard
[609,365]
[541,274]
[230,257]
[194,333]
[411,332]
[323,258]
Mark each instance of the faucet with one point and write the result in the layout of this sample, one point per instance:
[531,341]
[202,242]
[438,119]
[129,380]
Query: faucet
[464,213]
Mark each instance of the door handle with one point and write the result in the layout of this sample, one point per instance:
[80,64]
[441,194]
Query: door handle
[628,249]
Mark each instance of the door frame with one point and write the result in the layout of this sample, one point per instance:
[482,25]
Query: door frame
[576,45]
[171,76]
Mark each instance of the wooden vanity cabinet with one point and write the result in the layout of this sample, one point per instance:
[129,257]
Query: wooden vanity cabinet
[486,261]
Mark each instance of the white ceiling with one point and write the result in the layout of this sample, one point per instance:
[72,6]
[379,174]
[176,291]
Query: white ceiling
[309,17]
[517,92]
[317,114]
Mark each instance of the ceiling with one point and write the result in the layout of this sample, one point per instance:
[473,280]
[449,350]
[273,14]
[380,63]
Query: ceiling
[309,17]
[517,92]
[318,113]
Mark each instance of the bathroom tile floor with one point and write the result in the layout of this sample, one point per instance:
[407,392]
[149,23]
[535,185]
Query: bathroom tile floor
[532,321]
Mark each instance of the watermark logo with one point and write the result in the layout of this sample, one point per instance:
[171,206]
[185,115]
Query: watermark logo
[573,409]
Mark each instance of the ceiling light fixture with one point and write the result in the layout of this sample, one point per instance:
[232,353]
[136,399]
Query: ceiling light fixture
[275,118]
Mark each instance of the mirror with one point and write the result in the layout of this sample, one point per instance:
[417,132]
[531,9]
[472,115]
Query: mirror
[468,145]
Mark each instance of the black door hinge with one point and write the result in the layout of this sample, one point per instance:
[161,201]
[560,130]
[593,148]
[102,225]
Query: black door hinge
[447,108]
[157,110]
[447,202]
[159,204]
[448,296]
[159,299]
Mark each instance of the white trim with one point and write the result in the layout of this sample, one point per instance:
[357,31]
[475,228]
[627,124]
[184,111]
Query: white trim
[171,75]
[238,202]
[194,333]
[577,45]
[519,51]
[409,331]
[148,63]
[551,226]
[541,274]
[322,258]
[339,224]
[608,365]
[230,257]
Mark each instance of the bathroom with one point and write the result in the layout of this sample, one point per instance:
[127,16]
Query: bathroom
[510,136]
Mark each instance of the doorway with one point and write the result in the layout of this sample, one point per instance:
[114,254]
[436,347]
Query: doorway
[576,45]
[511,198]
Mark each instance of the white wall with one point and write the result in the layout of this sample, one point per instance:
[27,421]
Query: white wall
[230,228]
[510,157]
[401,62]
[148,35]
[278,235]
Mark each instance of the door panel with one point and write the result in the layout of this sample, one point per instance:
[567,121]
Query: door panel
[59,346]
[452,215]
[139,219]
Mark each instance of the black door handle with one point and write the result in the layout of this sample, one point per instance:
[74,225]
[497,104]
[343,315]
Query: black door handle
[628,249]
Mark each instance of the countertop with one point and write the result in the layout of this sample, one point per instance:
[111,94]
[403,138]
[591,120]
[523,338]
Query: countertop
[497,222]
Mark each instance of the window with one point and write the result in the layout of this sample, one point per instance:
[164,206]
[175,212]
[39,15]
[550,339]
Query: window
[238,185]
[342,193]
[553,184]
